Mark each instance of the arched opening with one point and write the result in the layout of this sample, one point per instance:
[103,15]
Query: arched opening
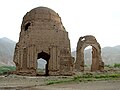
[87,58]
[41,66]
[27,26]
[97,64]
[43,62]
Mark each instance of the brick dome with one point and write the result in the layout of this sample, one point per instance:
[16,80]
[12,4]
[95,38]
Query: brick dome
[42,13]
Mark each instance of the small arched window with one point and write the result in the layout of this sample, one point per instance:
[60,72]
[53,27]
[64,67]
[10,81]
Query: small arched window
[83,39]
[27,26]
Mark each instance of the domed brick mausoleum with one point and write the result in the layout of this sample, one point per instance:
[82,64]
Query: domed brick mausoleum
[43,36]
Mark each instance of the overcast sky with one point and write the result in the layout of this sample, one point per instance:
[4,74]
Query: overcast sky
[100,18]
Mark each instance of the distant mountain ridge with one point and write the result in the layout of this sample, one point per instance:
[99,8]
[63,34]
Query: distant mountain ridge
[6,51]
[110,55]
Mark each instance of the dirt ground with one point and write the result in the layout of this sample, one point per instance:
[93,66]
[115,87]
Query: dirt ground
[14,82]
[96,85]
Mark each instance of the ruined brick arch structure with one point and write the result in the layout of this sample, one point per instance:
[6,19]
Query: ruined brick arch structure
[43,36]
[97,63]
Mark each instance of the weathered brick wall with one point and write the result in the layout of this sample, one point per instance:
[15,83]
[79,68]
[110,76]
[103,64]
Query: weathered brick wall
[42,33]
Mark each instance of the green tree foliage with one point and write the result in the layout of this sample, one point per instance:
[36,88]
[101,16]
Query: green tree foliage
[117,65]
[6,69]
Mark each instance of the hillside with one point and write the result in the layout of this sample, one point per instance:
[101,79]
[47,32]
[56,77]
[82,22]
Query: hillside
[110,55]
[6,51]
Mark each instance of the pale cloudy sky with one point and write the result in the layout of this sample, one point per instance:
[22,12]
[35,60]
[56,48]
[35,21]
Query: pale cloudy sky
[100,18]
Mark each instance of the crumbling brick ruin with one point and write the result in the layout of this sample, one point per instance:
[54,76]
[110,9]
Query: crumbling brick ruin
[97,63]
[43,36]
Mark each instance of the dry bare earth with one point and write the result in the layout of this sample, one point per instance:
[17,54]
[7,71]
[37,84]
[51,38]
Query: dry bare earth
[96,85]
[14,82]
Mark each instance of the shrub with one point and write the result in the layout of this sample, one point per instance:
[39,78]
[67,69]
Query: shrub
[6,69]
[117,65]
[109,66]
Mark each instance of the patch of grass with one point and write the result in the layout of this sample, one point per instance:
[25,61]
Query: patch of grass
[6,69]
[109,66]
[90,77]
[58,81]
[87,77]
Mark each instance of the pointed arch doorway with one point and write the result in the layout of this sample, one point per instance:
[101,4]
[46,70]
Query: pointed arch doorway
[45,58]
